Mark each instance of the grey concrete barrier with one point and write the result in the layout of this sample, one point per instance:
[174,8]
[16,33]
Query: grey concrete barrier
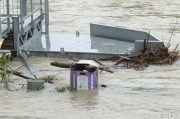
[139,45]
[119,33]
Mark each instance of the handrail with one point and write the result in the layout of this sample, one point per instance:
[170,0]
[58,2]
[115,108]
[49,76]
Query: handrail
[37,11]
[31,13]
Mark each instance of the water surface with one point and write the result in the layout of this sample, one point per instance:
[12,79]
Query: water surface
[152,93]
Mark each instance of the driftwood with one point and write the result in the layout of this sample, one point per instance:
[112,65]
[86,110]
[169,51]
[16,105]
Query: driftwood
[80,67]
[17,74]
[112,58]
[102,67]
[146,57]
[99,62]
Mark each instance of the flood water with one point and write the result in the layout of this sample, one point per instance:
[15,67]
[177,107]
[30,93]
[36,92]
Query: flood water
[150,94]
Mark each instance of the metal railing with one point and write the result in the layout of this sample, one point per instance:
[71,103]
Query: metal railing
[26,10]
[4,19]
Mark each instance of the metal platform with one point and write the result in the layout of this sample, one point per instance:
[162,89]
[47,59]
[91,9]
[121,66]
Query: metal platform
[104,40]
[83,43]
[21,24]
[83,47]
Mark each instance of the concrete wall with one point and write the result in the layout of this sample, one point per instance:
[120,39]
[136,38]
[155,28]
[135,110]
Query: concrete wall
[119,33]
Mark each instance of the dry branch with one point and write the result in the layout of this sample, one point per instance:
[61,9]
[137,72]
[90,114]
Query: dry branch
[18,74]
[146,57]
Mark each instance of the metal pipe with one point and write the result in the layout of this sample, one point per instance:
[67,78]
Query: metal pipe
[47,16]
[5,80]
[27,64]
[41,6]
[11,15]
[31,11]
[21,14]
[41,13]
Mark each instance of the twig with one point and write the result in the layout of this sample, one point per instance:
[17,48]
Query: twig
[176,47]
[173,30]
[99,62]
[18,74]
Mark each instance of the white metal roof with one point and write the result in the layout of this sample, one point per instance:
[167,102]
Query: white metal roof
[90,62]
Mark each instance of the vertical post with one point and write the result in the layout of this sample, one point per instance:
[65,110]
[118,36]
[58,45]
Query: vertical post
[8,15]
[16,33]
[24,8]
[21,15]
[41,13]
[41,6]
[5,81]
[0,21]
[31,10]
[46,17]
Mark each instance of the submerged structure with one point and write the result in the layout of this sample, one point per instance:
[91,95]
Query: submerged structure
[21,27]
[21,22]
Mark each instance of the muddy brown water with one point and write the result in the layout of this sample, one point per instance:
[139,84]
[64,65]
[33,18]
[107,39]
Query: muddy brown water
[152,93]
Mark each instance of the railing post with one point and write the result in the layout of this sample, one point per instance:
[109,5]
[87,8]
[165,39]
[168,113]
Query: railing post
[21,15]
[46,16]
[8,15]
[41,12]
[31,10]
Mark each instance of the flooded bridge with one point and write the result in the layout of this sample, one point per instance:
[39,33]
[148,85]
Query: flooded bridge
[24,25]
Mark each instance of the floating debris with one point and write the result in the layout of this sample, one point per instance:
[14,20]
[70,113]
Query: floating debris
[145,58]
[63,89]
[103,85]
[48,78]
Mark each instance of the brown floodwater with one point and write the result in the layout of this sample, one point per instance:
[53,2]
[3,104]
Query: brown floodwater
[151,93]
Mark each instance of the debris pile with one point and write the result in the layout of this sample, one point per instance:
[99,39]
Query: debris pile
[146,58]
[149,56]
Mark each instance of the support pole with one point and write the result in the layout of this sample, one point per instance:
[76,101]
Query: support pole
[24,8]
[5,81]
[21,15]
[41,12]
[16,33]
[8,15]
[32,11]
[47,17]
